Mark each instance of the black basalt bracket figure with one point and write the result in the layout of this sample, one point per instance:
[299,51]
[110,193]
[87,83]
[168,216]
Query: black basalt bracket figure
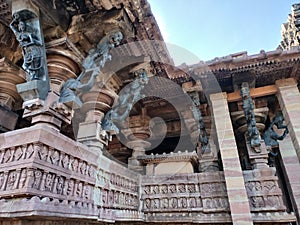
[248,108]
[203,137]
[92,65]
[31,44]
[127,98]
[271,137]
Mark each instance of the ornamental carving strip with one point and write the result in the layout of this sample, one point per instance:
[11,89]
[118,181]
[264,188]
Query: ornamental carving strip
[184,194]
[263,192]
[49,156]
[41,170]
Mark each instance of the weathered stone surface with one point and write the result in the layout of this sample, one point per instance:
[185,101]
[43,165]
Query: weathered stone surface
[226,141]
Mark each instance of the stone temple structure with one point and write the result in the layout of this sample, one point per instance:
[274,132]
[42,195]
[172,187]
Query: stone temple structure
[98,126]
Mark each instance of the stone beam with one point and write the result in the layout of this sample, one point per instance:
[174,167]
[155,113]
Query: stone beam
[254,93]
[235,184]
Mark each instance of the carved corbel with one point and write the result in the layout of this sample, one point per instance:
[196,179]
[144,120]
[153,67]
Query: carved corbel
[27,29]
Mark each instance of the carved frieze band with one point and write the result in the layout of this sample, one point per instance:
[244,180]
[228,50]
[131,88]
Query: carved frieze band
[52,158]
[117,191]
[264,195]
[180,195]
[37,182]
[263,192]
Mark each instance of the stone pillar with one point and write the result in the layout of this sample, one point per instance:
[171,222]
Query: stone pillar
[136,134]
[235,184]
[96,104]
[62,65]
[10,76]
[289,100]
[291,167]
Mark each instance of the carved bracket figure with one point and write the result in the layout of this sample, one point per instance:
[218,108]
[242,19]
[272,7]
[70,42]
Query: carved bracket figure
[271,137]
[92,65]
[203,138]
[32,47]
[26,27]
[248,108]
[129,95]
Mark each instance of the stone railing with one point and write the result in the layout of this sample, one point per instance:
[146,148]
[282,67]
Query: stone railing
[203,197]
[43,172]
[186,197]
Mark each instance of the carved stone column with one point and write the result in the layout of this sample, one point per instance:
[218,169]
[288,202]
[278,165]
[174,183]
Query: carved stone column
[137,134]
[289,100]
[62,64]
[235,184]
[64,61]
[291,167]
[10,76]
[96,104]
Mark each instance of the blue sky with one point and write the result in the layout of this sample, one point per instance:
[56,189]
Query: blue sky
[206,29]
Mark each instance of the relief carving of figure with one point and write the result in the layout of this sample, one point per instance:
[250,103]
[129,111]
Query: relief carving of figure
[155,203]
[192,203]
[65,162]
[164,203]
[69,187]
[91,171]
[74,165]
[173,203]
[2,178]
[105,197]
[32,47]
[23,178]
[147,203]
[43,152]
[208,203]
[48,182]
[12,177]
[60,185]
[78,191]
[122,198]
[87,192]
[82,167]
[183,202]
[54,157]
